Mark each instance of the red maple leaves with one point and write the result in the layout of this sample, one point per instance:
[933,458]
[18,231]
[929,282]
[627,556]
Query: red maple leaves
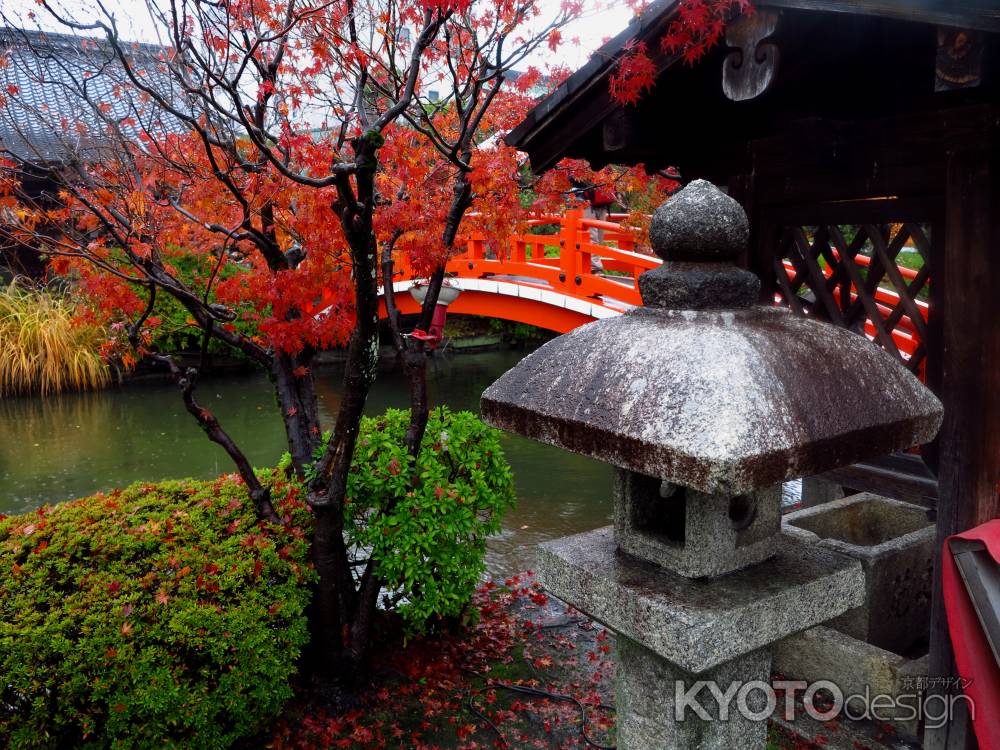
[171,193]
[697,27]
[449,689]
[635,74]
[554,39]
[446,6]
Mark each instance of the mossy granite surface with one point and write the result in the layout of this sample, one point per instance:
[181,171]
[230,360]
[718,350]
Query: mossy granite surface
[701,388]
[699,624]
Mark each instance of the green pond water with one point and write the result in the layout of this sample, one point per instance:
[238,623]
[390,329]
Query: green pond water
[68,446]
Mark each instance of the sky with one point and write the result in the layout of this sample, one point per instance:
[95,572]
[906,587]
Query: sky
[135,25]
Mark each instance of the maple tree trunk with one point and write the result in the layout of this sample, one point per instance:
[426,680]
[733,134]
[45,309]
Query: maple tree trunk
[296,393]
[414,354]
[415,367]
[343,619]
[341,609]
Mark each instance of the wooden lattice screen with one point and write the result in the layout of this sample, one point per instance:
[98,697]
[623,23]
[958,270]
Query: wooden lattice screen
[851,276]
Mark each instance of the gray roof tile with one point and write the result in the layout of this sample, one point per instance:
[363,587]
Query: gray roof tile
[56,86]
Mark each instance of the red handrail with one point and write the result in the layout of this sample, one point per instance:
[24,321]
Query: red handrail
[544,258]
[562,263]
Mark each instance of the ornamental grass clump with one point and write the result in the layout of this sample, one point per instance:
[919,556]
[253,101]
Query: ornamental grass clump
[44,346]
[160,616]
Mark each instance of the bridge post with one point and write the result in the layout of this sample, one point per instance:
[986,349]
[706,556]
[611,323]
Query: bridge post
[476,250]
[518,250]
[569,247]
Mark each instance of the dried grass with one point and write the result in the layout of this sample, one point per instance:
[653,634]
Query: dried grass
[43,347]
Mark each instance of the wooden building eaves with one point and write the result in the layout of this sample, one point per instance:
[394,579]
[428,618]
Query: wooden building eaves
[555,127]
[593,77]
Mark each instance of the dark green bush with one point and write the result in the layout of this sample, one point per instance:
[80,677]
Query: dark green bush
[162,616]
[519,331]
[426,523]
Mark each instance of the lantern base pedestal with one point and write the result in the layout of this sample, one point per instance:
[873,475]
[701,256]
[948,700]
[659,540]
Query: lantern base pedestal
[699,624]
[655,702]
[674,628]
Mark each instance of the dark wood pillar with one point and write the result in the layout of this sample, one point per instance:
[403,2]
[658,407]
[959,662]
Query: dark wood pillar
[969,441]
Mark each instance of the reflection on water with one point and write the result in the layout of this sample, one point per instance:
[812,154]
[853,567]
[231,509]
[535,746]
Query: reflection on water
[73,445]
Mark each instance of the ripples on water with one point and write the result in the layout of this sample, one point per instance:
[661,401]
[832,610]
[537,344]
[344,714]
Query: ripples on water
[73,445]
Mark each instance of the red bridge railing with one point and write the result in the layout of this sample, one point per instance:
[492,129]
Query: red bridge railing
[561,262]
[905,333]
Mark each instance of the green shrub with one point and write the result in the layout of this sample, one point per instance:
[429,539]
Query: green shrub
[428,536]
[161,616]
[426,524]
[519,331]
[176,331]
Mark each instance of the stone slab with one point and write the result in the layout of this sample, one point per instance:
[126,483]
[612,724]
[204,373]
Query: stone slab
[856,667]
[895,543]
[842,735]
[699,624]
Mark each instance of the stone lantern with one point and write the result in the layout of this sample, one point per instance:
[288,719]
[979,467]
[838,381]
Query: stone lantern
[446,296]
[706,402]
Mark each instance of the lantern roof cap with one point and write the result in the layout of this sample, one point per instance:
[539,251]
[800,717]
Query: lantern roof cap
[723,396]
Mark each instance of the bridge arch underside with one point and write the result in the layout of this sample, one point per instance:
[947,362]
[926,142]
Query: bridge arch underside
[515,302]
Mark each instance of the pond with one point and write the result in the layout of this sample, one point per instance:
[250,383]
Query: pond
[68,446]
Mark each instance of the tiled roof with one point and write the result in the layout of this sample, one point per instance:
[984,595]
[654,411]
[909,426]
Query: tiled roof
[46,80]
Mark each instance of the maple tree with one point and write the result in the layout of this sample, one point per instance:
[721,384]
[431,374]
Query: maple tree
[205,147]
[696,27]
[262,141]
[290,153]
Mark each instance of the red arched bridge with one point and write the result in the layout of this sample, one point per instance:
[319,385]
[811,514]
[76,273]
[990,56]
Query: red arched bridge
[548,280]
[545,280]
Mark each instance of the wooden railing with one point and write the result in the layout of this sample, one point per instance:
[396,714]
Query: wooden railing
[561,262]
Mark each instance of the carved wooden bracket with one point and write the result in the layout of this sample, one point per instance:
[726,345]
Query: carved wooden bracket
[620,129]
[959,59]
[750,70]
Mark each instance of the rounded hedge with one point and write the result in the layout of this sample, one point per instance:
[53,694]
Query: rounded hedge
[159,616]
[426,521]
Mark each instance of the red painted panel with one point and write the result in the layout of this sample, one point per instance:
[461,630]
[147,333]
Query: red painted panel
[490,305]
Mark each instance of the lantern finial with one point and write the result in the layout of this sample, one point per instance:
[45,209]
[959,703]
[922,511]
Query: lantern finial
[699,224]
[699,232]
